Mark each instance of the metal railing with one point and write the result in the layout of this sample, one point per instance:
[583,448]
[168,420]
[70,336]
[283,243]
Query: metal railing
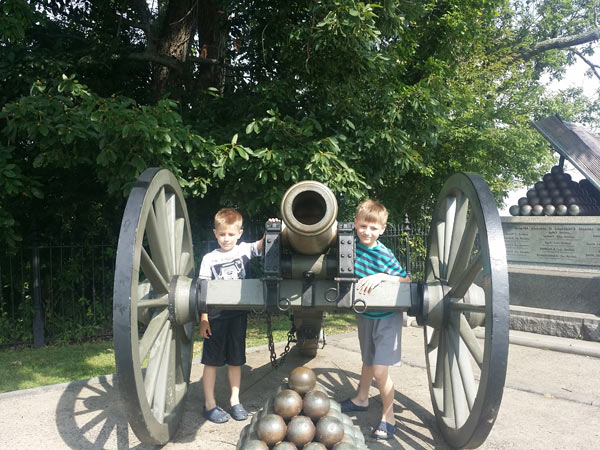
[62,293]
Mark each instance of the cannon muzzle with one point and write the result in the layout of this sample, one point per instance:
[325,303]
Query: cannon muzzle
[309,211]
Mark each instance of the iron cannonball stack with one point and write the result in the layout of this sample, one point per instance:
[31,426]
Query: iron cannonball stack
[301,416]
[558,195]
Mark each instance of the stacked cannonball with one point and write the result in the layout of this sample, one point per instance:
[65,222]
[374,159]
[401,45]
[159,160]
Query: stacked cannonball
[557,195]
[301,416]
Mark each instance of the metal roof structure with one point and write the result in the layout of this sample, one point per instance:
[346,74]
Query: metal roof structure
[580,147]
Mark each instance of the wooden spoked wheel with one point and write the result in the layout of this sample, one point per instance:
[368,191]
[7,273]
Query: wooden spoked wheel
[153,350]
[466,311]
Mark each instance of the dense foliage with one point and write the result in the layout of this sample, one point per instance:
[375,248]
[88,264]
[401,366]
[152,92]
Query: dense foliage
[242,98]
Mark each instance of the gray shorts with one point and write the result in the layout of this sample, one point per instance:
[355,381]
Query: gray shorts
[380,340]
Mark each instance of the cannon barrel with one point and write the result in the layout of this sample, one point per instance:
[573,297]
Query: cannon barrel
[309,211]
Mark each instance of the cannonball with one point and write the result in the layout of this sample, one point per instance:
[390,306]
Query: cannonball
[537,210]
[556,169]
[302,379]
[255,444]
[348,434]
[525,210]
[285,445]
[314,446]
[334,405]
[329,430]
[344,446]
[315,404]
[271,428]
[346,420]
[334,413]
[287,403]
[300,430]
[541,193]
[561,210]
[532,193]
[523,201]
[549,210]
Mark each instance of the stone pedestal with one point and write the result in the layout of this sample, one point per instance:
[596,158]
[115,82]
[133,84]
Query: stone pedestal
[554,265]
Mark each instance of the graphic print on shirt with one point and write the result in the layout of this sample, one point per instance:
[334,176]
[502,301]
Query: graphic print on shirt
[230,270]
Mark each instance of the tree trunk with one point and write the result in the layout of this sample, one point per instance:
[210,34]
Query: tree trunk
[174,41]
[213,38]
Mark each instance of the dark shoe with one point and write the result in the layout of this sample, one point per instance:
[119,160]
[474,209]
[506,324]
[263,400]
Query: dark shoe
[238,412]
[348,405]
[384,431]
[216,415]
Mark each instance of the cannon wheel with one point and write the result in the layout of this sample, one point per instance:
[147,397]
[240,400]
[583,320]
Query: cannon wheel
[467,315]
[153,353]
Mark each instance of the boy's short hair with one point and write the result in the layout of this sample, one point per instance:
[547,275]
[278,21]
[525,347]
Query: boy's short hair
[372,211]
[228,216]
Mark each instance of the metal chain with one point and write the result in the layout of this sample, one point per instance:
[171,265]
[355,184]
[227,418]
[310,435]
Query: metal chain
[286,350]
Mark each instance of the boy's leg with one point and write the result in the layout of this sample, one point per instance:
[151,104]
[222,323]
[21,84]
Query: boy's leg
[386,391]
[234,373]
[209,376]
[362,394]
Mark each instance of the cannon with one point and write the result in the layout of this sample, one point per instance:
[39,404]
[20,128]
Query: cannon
[462,303]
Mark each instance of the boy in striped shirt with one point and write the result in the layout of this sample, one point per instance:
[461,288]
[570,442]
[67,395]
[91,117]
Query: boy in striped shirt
[379,333]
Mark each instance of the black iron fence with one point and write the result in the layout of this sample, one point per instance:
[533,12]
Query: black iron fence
[53,294]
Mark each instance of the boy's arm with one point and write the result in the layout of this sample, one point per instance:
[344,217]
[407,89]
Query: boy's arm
[367,284]
[205,330]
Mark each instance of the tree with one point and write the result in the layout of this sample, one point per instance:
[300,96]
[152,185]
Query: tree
[241,99]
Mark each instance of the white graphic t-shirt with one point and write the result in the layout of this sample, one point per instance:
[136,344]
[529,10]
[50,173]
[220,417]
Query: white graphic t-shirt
[231,265]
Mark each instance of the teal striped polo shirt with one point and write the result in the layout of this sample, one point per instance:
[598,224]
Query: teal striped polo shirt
[378,259]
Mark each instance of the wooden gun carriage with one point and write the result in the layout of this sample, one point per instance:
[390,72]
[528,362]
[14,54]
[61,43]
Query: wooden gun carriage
[462,303]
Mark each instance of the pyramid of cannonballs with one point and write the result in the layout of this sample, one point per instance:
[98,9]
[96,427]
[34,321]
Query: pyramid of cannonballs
[557,195]
[301,416]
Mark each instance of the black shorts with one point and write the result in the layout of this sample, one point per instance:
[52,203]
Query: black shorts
[227,344]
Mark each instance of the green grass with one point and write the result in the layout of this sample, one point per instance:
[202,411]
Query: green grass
[28,368]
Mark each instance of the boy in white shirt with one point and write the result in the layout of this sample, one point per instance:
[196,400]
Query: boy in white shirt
[224,331]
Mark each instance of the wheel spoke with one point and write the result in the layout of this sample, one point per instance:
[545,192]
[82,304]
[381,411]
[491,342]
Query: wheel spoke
[469,338]
[154,364]
[185,263]
[447,381]
[179,227]
[170,224]
[154,302]
[463,284]
[449,216]
[152,273]
[464,364]
[466,307]
[434,341]
[160,396]
[440,228]
[152,332]
[458,231]
[459,401]
[158,247]
[464,252]
[439,364]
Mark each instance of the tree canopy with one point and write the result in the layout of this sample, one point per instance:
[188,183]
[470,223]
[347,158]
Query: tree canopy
[240,99]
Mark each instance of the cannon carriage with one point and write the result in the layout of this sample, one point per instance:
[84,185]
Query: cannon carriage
[462,303]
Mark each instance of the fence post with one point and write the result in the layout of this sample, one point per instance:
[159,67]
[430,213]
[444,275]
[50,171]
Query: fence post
[406,229]
[38,313]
